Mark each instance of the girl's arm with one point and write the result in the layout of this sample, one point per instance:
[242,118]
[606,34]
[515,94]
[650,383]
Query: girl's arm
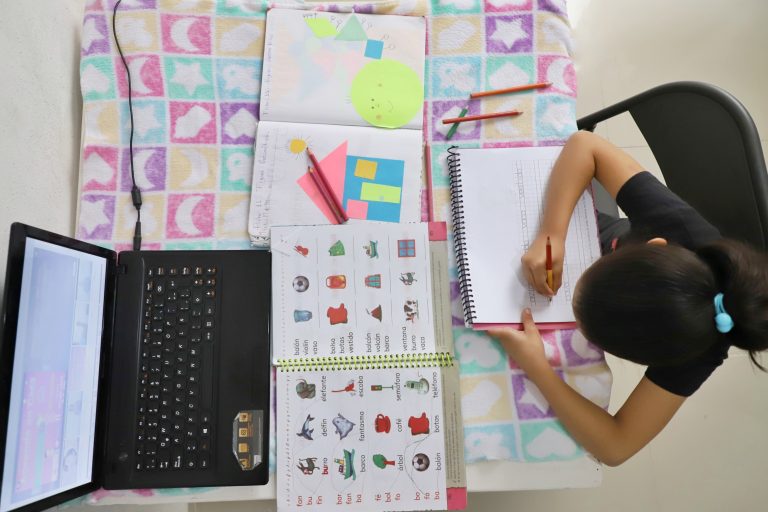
[612,439]
[584,156]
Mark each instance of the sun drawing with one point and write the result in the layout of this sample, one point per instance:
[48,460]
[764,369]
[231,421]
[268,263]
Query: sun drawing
[297,145]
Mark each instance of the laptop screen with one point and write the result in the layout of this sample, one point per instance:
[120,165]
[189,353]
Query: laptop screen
[52,414]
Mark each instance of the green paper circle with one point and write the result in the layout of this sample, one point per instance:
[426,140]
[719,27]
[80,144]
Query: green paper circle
[387,93]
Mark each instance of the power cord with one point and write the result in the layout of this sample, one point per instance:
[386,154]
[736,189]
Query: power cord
[135,191]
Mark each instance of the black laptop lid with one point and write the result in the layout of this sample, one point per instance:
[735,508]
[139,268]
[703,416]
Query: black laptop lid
[57,318]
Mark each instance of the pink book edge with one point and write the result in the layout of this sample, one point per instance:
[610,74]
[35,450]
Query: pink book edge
[457,498]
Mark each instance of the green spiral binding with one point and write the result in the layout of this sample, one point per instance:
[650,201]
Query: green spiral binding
[367,362]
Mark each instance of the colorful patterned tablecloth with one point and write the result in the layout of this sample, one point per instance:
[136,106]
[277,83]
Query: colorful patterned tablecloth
[196,68]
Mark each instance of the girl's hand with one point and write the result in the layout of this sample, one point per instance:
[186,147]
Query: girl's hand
[525,347]
[534,263]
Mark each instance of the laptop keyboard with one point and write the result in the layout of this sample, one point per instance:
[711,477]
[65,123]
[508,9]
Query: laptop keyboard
[175,392]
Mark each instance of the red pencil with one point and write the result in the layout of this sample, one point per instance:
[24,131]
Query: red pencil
[481,116]
[519,88]
[550,275]
[323,192]
[428,165]
[335,202]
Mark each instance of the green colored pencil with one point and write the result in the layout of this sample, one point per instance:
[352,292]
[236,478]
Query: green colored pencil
[455,126]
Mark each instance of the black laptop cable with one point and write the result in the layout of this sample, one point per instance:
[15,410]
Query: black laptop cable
[135,191]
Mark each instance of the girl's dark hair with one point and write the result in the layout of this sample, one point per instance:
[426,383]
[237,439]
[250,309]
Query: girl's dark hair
[654,304]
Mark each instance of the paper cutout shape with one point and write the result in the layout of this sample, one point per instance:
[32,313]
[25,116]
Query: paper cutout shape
[387,93]
[382,193]
[352,31]
[382,203]
[321,27]
[374,48]
[365,169]
[356,209]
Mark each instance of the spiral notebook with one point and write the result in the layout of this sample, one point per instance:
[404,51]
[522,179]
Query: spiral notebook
[368,403]
[497,197]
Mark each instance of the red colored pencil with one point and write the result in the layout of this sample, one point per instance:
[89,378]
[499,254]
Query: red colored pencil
[428,165]
[335,202]
[481,116]
[548,267]
[323,192]
[519,88]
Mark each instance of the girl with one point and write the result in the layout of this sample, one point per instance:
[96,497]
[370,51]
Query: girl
[669,293]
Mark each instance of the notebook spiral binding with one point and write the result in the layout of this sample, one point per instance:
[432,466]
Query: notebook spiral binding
[459,235]
[375,362]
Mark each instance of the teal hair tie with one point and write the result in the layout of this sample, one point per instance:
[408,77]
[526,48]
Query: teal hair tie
[723,320]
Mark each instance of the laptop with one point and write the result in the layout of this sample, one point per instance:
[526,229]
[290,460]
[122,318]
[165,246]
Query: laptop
[142,369]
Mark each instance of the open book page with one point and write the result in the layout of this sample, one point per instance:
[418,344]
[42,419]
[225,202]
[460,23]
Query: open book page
[374,173]
[503,195]
[368,439]
[351,290]
[348,69]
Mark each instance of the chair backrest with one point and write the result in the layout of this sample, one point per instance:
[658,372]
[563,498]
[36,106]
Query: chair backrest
[709,152]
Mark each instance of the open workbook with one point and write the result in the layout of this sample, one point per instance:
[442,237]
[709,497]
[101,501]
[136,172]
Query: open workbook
[368,406]
[351,88]
[497,201]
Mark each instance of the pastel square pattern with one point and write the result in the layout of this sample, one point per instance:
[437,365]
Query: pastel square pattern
[239,37]
[190,215]
[149,122]
[152,216]
[95,35]
[478,353]
[186,6]
[593,382]
[186,34]
[510,129]
[560,72]
[544,441]
[529,401]
[193,122]
[253,8]
[456,6]
[99,168]
[97,217]
[509,34]
[98,79]
[233,215]
[149,168]
[238,79]
[492,6]
[485,398]
[551,350]
[132,4]
[195,245]
[510,70]
[456,76]
[467,130]
[146,76]
[578,351]
[552,34]
[456,36]
[138,31]
[236,168]
[238,123]
[498,440]
[189,78]
[553,6]
[101,123]
[193,168]
[555,116]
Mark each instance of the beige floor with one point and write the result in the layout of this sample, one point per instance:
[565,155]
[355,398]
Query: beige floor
[714,454]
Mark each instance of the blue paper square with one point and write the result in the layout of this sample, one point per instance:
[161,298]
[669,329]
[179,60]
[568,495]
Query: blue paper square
[374,48]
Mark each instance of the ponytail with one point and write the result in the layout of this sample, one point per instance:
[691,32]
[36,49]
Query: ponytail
[741,274]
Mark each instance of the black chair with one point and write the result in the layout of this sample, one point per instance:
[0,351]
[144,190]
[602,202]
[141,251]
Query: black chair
[708,150]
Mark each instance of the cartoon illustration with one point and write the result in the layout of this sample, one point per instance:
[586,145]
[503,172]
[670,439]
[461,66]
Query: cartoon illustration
[371,250]
[337,249]
[375,312]
[301,315]
[343,426]
[406,248]
[382,424]
[336,282]
[305,389]
[337,315]
[349,389]
[347,465]
[379,387]
[420,462]
[411,309]
[381,461]
[373,281]
[301,250]
[421,386]
[419,425]
[307,466]
[300,284]
[408,278]
[385,92]
[306,432]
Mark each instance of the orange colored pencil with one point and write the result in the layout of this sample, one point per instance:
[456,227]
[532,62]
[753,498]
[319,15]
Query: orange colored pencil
[481,116]
[335,202]
[508,90]
[323,192]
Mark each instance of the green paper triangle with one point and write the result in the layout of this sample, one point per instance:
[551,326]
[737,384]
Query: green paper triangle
[352,31]
[321,27]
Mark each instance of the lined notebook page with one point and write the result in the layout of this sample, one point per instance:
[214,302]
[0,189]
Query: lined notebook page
[503,195]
